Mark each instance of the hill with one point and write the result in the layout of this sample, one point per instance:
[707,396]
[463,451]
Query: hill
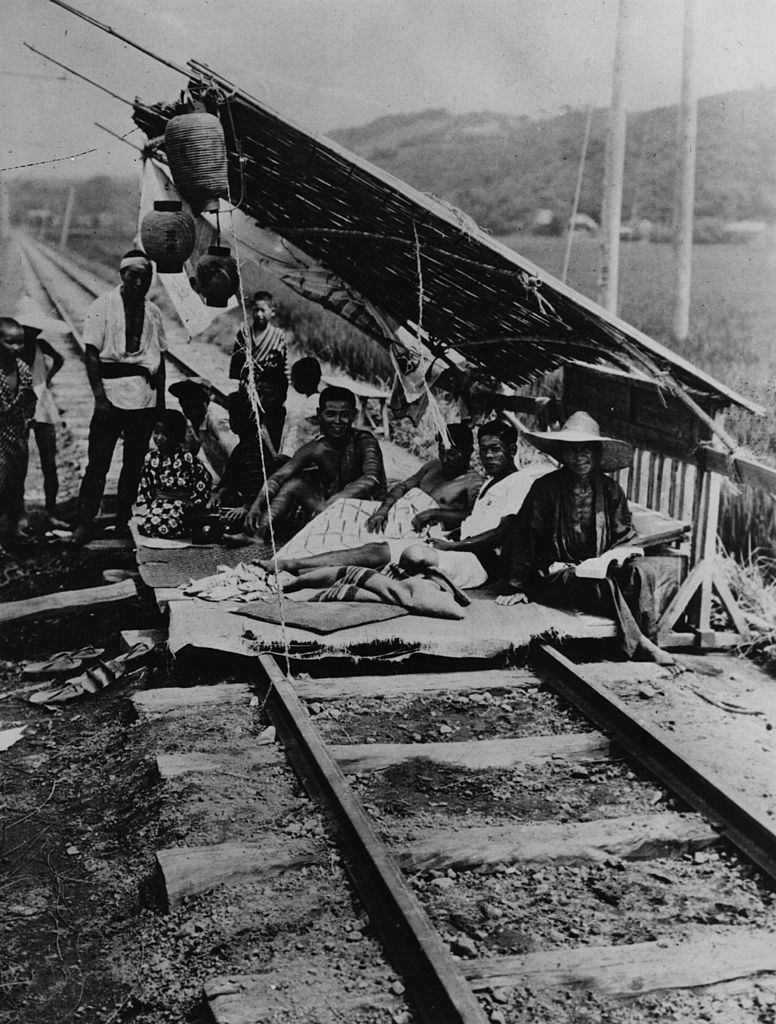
[501,169]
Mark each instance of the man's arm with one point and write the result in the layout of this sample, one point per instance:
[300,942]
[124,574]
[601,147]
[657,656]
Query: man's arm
[372,474]
[486,541]
[92,360]
[376,522]
[449,518]
[283,474]
[57,359]
[160,378]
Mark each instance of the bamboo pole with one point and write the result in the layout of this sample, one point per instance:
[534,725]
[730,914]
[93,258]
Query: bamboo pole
[577,193]
[687,131]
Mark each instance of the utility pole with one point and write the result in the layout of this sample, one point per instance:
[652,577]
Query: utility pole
[5,210]
[685,195]
[67,218]
[614,165]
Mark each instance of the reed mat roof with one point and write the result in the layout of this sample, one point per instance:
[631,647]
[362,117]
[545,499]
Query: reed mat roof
[398,246]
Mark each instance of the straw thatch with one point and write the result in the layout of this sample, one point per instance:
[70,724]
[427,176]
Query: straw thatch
[479,297]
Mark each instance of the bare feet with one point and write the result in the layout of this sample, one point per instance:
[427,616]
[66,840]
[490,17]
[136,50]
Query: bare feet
[649,651]
[272,565]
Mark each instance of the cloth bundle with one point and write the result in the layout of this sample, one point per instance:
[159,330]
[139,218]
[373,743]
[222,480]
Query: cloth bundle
[243,582]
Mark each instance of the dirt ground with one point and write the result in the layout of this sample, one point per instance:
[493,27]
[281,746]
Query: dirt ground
[83,935]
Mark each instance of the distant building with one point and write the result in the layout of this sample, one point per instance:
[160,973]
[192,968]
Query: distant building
[743,230]
[584,223]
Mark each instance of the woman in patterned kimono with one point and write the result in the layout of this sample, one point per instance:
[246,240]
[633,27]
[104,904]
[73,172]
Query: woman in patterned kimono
[174,482]
[17,404]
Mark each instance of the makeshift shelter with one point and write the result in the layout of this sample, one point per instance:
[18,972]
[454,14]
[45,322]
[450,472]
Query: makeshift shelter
[387,257]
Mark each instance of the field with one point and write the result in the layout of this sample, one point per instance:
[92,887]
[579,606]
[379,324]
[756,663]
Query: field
[733,326]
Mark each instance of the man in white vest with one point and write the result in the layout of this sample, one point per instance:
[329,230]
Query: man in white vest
[124,341]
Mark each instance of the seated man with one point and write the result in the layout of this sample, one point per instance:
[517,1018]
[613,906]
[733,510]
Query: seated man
[342,463]
[242,479]
[470,561]
[577,513]
[447,479]
[442,491]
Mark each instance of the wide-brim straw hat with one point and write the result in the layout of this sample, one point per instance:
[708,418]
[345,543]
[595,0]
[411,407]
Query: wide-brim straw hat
[180,387]
[29,314]
[580,428]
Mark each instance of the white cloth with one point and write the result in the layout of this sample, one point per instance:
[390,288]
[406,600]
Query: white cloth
[493,502]
[45,408]
[504,498]
[105,329]
[301,424]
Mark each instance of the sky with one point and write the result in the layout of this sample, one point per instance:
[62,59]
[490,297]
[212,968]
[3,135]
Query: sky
[329,64]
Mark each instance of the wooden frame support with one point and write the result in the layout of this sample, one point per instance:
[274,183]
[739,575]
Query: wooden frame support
[694,597]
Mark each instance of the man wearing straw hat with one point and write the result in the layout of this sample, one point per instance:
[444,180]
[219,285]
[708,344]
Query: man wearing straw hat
[124,342]
[573,516]
[45,363]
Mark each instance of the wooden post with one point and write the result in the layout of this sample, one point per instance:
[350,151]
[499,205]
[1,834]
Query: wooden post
[611,207]
[685,199]
[67,218]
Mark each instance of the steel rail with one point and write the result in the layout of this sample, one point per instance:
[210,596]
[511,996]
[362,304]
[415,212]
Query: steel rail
[417,951]
[726,809]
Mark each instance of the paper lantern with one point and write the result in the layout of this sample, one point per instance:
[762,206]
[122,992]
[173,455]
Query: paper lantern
[217,277]
[196,153]
[168,234]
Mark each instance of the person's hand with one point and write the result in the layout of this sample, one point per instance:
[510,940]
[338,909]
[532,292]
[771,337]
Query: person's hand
[234,515]
[424,519]
[510,599]
[441,544]
[213,501]
[376,522]
[252,518]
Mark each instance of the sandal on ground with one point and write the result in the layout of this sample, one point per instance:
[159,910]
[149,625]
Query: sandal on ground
[62,663]
[97,677]
[94,679]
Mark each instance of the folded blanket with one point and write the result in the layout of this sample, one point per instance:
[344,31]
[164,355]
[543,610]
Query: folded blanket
[391,585]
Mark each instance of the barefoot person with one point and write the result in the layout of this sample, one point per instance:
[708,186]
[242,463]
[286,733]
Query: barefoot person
[17,404]
[124,342]
[469,561]
[447,479]
[441,492]
[343,462]
[45,363]
[576,513]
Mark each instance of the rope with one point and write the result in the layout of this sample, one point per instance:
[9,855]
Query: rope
[253,398]
[433,408]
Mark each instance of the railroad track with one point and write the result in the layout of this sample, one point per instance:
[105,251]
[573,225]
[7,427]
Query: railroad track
[517,861]
[524,845]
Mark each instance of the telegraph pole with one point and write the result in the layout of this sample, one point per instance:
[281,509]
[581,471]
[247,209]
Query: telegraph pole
[685,196]
[5,211]
[614,165]
[67,218]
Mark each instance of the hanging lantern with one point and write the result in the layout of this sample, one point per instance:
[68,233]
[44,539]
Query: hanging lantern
[196,153]
[168,234]
[217,278]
